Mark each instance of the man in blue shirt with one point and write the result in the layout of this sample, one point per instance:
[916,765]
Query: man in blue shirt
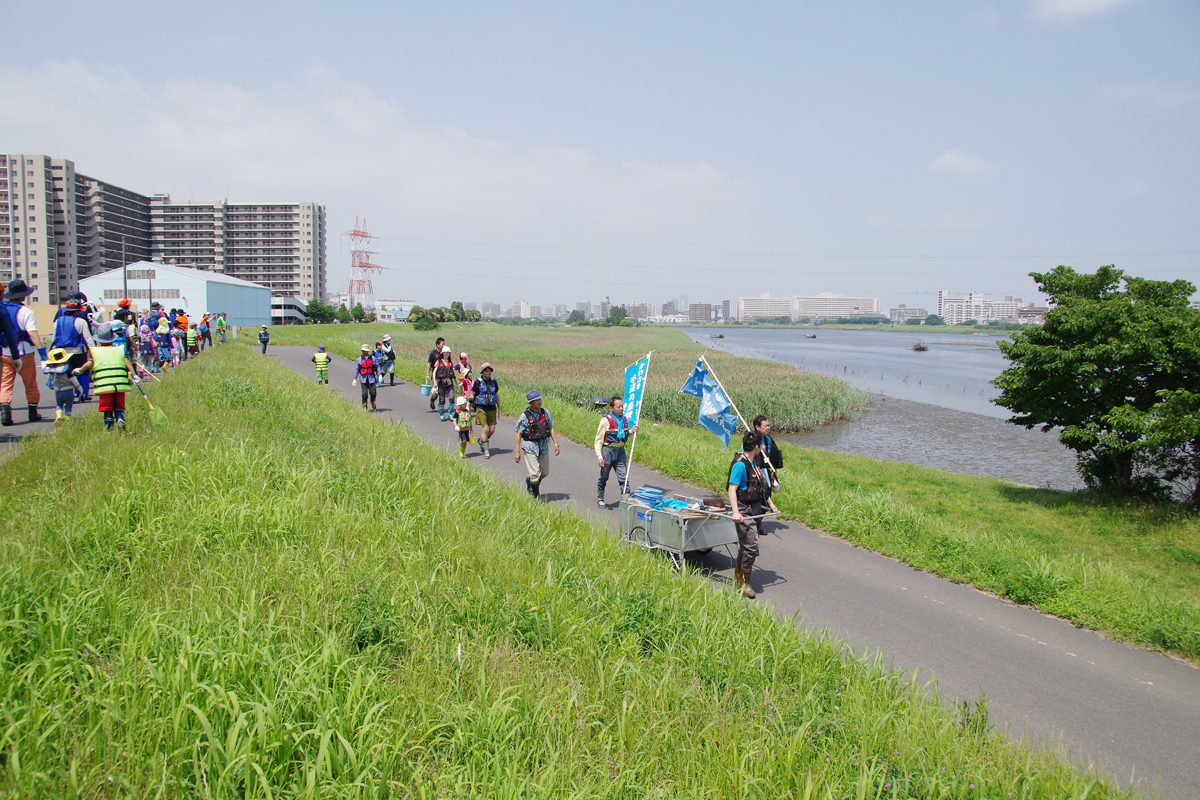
[534,428]
[749,488]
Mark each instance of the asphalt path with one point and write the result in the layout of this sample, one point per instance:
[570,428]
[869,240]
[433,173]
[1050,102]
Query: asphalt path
[12,435]
[1132,713]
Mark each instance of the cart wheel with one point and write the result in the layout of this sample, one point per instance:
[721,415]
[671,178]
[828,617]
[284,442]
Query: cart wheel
[638,536]
[705,551]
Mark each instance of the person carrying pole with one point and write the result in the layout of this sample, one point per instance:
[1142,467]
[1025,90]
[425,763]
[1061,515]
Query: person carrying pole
[609,445]
[749,489]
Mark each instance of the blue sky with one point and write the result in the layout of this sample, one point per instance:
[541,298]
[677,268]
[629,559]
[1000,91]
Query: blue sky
[557,152]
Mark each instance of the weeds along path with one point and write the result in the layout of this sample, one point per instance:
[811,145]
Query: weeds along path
[1041,675]
[276,595]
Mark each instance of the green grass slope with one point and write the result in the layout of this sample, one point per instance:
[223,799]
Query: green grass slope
[1129,570]
[276,596]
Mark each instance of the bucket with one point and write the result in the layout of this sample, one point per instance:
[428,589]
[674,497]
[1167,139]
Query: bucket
[425,389]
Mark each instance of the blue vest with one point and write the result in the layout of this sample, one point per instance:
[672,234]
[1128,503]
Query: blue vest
[11,309]
[65,334]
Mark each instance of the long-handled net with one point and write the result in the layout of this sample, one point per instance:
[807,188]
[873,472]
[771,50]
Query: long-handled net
[158,417]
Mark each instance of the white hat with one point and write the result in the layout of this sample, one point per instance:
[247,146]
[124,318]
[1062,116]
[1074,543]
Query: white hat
[445,349]
[462,355]
[387,337]
[462,401]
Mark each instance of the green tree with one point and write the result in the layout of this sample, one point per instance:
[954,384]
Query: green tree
[576,318]
[358,313]
[370,316]
[457,313]
[473,315]
[1114,369]
[934,319]
[342,314]
[318,311]
[616,315]
[425,323]
[916,321]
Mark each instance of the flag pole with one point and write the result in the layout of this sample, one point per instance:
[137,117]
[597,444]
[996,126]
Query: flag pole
[633,444]
[723,389]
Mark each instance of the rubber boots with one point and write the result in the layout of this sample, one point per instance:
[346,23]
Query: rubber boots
[34,416]
[741,578]
[600,500]
[364,405]
[5,414]
[487,449]
[373,406]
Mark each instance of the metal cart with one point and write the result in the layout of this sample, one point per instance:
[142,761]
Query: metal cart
[677,531]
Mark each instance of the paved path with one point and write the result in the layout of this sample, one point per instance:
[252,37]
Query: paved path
[1128,710]
[12,435]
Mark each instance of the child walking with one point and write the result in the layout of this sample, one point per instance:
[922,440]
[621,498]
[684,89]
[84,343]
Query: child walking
[462,423]
[63,382]
[110,375]
[321,359]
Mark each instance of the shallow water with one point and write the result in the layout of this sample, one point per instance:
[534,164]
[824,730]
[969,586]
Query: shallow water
[932,408]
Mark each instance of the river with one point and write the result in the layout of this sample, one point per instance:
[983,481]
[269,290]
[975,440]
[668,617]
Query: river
[931,408]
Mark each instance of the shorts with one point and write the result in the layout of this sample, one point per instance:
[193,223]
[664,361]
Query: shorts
[485,416]
[110,401]
[464,436]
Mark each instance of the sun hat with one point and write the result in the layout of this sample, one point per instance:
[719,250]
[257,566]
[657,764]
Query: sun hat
[320,348]
[71,306]
[445,349]
[104,334]
[366,348]
[486,365]
[124,302]
[533,394]
[18,289]
[57,356]
[462,401]
[387,337]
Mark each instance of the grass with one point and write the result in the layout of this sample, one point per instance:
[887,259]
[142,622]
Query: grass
[274,596]
[1129,570]
[579,363]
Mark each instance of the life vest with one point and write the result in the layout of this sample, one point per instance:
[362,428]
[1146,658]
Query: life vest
[617,432]
[322,360]
[109,373]
[462,420]
[389,351]
[488,392]
[366,366]
[758,488]
[11,309]
[264,337]
[538,427]
[444,372]
[191,337]
[65,334]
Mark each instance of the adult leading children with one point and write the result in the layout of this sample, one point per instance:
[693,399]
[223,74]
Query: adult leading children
[749,497]
[610,440]
[534,427]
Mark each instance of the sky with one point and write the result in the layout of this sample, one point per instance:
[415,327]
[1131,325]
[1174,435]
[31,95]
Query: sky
[568,151]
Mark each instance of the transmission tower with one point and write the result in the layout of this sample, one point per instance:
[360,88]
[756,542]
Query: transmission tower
[361,290]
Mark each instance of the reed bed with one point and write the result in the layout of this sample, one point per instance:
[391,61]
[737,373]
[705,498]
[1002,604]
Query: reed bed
[275,596]
[576,364]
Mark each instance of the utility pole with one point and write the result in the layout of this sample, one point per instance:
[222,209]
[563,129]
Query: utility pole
[124,267]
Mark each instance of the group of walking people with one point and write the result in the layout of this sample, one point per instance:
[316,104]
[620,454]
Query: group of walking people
[88,357]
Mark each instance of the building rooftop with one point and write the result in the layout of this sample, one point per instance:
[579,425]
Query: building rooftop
[186,272]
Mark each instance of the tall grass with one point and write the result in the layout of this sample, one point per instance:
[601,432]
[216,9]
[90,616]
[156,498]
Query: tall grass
[274,596]
[576,364]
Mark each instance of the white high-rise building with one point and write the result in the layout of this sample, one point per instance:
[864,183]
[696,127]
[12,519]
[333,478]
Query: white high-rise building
[828,305]
[750,308]
[957,310]
[278,245]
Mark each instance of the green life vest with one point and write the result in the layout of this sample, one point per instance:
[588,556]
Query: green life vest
[191,337]
[322,360]
[109,373]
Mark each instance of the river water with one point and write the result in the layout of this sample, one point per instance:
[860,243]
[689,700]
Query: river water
[931,408]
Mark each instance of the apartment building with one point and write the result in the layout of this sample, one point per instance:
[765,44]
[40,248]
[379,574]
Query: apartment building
[27,208]
[903,314]
[957,310]
[751,308]
[277,245]
[699,312]
[828,305]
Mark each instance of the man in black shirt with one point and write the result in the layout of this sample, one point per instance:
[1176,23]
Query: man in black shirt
[771,457]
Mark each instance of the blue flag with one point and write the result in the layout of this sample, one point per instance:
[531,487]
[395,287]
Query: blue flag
[714,412]
[635,384]
[695,382]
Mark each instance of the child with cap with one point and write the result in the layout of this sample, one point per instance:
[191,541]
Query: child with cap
[63,382]
[264,338]
[462,423]
[366,372]
[111,373]
[321,359]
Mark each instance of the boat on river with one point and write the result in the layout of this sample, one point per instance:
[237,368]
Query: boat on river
[716,336]
[920,346]
[809,335]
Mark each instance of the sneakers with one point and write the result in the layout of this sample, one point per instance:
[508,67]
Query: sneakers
[120,424]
